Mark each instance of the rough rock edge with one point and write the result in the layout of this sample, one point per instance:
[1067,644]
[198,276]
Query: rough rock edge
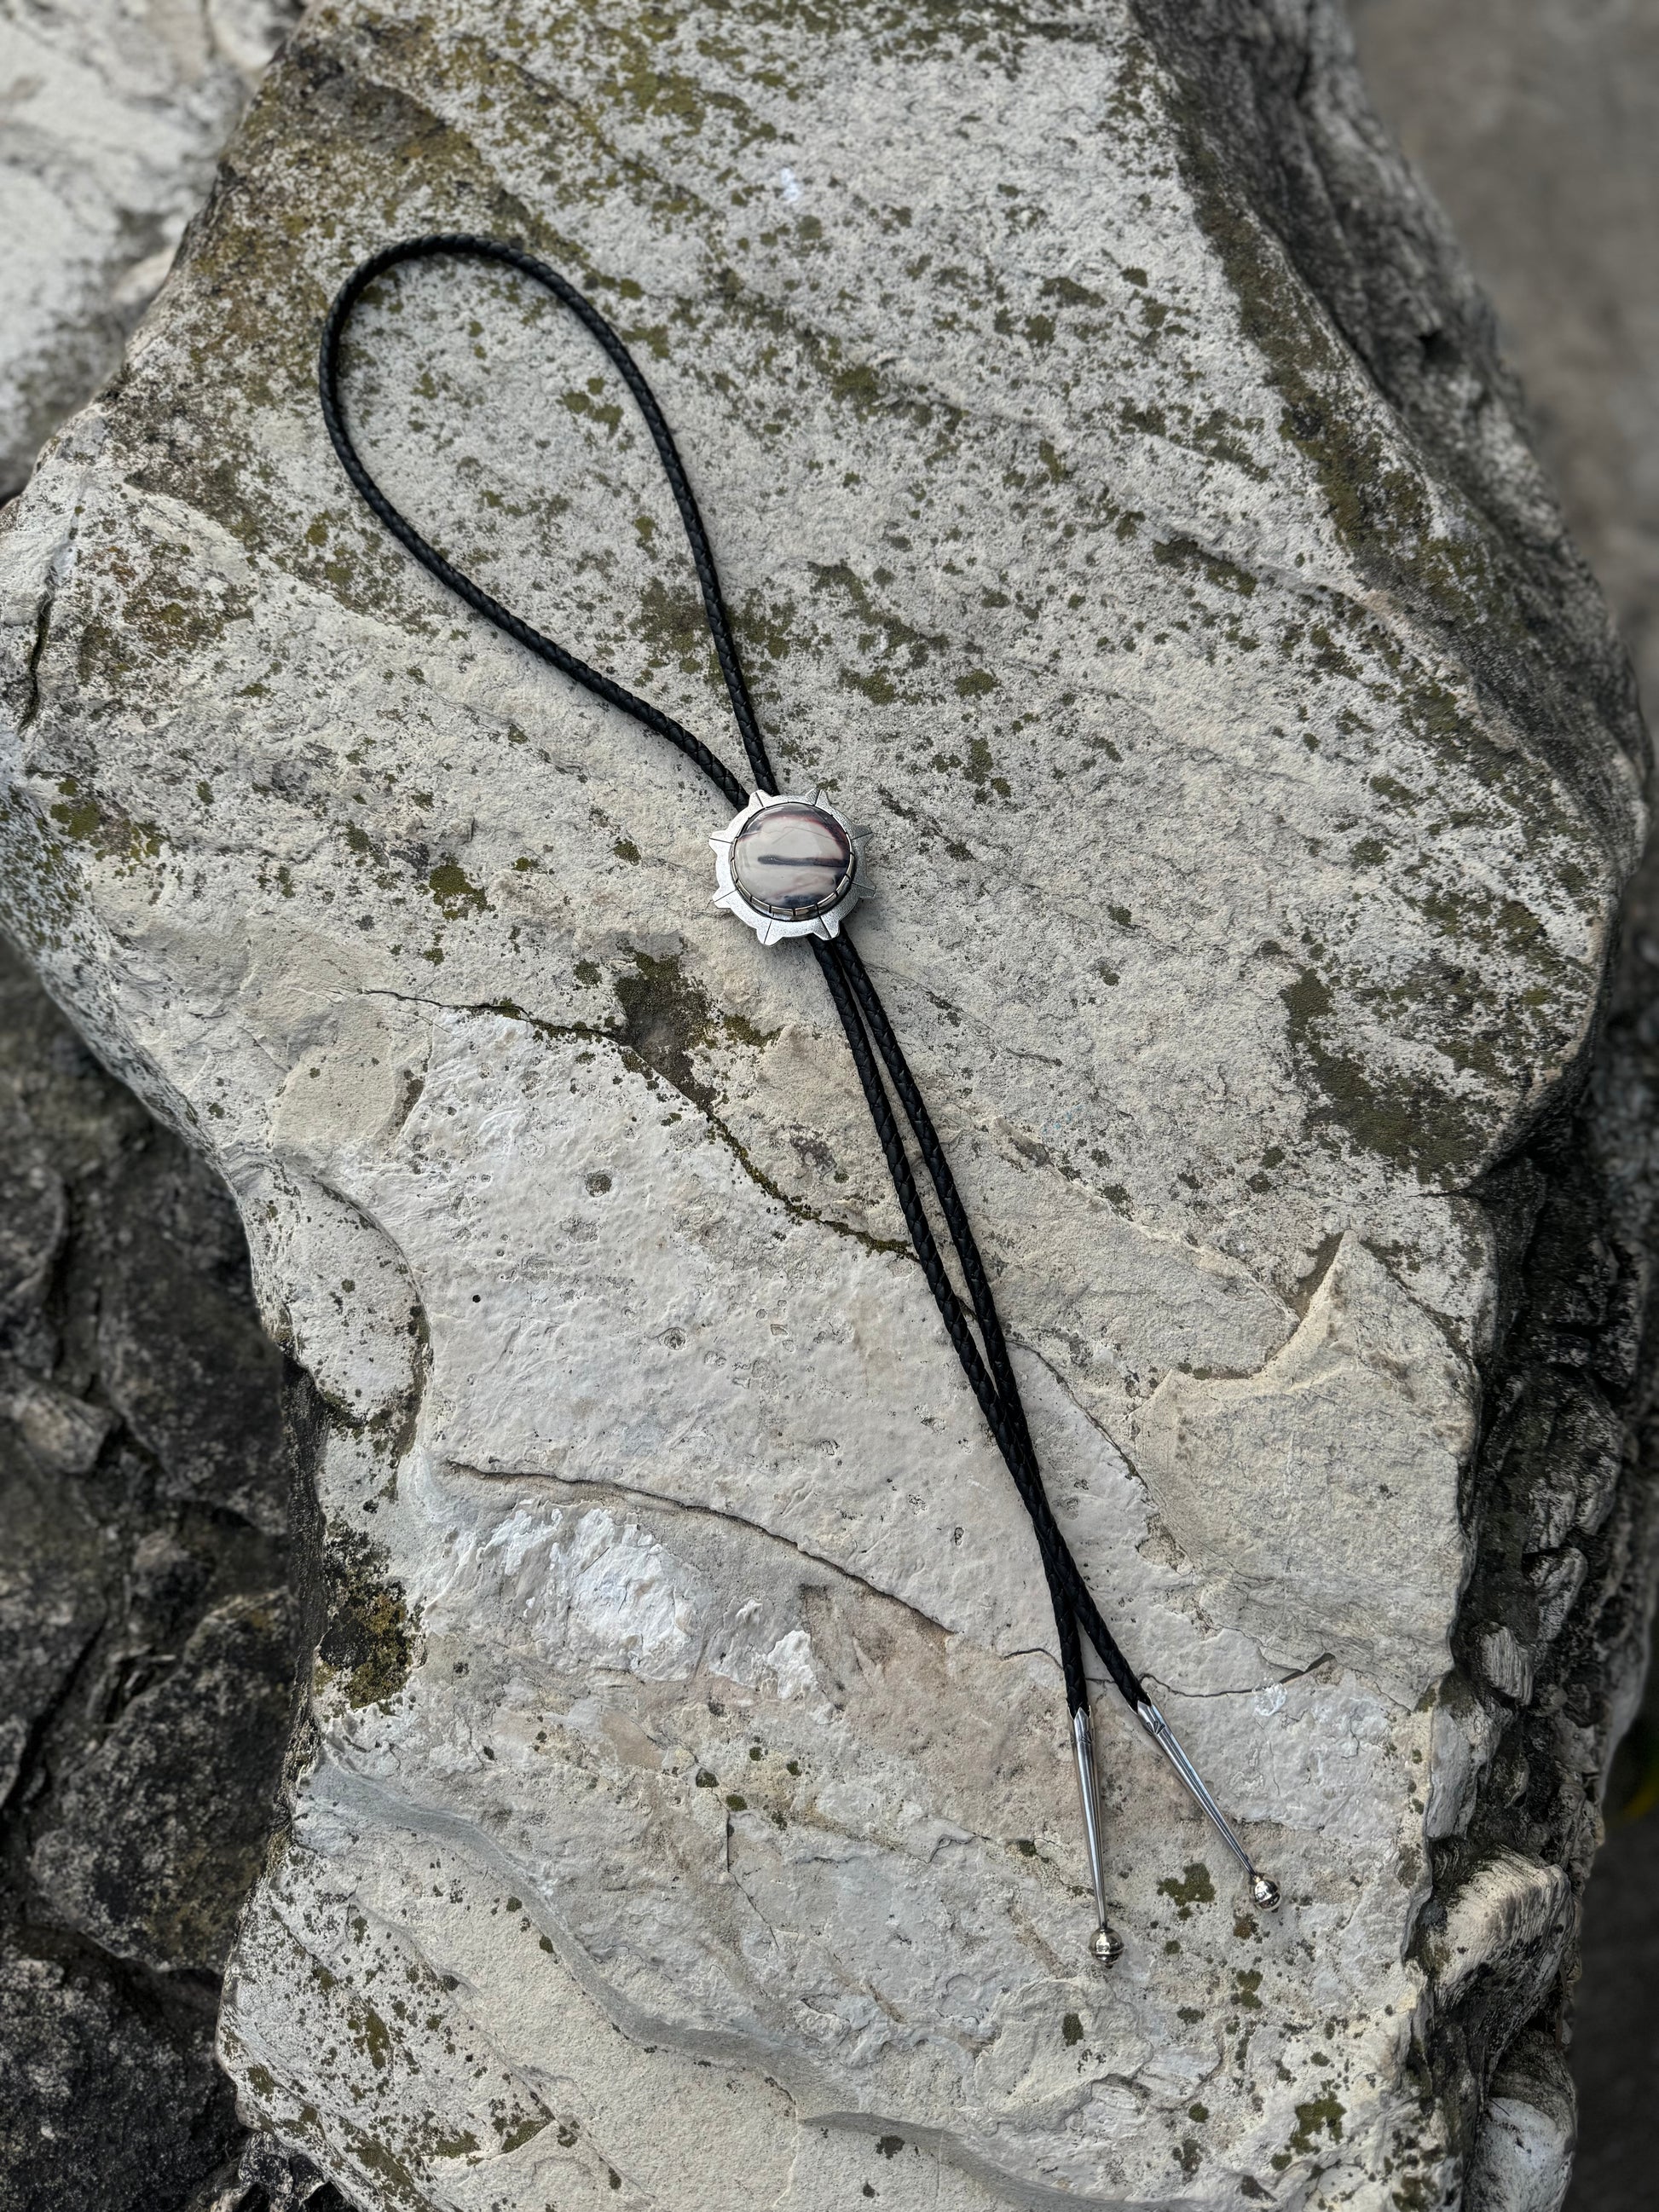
[1572,1379]
[98,300]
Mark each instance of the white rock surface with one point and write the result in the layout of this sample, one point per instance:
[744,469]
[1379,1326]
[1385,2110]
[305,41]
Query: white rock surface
[111,118]
[685,1818]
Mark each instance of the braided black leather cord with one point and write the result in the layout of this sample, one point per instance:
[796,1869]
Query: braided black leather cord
[1016,1446]
[870,1035]
[462,244]
[1006,1422]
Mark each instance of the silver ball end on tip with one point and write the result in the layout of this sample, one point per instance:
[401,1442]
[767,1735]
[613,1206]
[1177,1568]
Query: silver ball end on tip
[1105,1946]
[1264,1893]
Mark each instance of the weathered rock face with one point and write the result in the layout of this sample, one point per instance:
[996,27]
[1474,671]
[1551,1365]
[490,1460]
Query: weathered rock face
[1122,505]
[146,1632]
[1539,127]
[113,118]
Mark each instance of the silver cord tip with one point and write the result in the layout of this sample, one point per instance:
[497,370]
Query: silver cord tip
[1105,1946]
[1083,1743]
[1264,1893]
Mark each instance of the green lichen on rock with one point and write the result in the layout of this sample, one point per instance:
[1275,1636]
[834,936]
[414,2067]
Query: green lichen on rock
[370,1636]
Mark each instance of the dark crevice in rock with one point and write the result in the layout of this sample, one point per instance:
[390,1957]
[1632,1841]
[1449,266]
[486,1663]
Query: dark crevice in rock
[146,1637]
[368,1637]
[1553,1623]
[37,651]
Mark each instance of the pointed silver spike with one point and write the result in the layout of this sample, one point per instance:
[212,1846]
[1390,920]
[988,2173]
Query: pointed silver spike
[1105,1945]
[1264,1892]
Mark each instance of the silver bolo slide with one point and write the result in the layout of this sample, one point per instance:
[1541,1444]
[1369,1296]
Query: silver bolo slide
[1106,1945]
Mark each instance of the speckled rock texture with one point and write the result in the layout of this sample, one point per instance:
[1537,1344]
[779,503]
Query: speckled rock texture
[1123,507]
[111,118]
[146,1630]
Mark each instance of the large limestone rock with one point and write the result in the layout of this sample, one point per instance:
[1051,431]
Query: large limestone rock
[1123,507]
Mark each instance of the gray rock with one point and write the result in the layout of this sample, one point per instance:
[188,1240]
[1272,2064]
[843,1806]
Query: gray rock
[146,1852]
[1523,2156]
[112,122]
[108,2092]
[146,1638]
[188,1369]
[1108,461]
[50,1605]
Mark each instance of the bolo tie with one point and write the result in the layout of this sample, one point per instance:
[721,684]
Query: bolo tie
[792,867]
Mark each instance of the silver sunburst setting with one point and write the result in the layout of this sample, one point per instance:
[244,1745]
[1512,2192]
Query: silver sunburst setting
[789,866]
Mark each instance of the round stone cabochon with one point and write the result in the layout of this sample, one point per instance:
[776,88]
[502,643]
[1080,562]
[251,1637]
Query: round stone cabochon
[793,861]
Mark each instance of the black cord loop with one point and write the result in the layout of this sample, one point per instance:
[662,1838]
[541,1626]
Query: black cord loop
[461,244]
[877,1055]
